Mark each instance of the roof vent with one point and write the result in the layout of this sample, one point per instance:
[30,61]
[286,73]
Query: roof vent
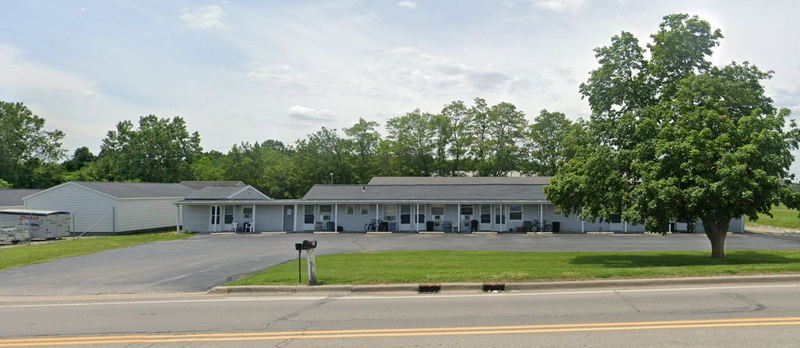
[363,188]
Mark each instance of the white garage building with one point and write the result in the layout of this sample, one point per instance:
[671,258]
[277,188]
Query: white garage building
[117,207]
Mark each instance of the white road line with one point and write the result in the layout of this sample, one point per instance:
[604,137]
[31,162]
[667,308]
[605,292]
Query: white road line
[390,297]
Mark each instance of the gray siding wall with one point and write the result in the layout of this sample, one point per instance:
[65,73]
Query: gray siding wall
[143,214]
[196,218]
[86,207]
[269,218]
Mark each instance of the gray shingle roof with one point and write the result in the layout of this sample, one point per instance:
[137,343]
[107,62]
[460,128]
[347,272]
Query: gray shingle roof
[457,192]
[200,184]
[138,189]
[224,192]
[460,180]
[13,197]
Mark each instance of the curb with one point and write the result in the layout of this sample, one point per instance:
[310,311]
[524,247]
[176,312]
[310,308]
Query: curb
[447,287]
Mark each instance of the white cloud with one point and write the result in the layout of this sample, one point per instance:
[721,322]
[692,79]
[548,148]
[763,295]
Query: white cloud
[303,113]
[204,17]
[561,6]
[21,76]
[407,4]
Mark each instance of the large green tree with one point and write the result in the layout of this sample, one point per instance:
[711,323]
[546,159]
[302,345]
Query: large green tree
[548,143]
[159,150]
[412,139]
[323,157]
[29,152]
[364,140]
[675,138]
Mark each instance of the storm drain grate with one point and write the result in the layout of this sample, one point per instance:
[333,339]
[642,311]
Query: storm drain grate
[429,288]
[490,287]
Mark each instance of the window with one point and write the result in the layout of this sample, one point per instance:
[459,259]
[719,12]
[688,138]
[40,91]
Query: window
[309,214]
[486,214]
[247,212]
[437,209]
[466,210]
[228,214]
[390,212]
[515,212]
[325,212]
[351,209]
[405,214]
[364,209]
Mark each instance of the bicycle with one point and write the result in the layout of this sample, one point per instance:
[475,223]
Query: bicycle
[543,226]
[373,225]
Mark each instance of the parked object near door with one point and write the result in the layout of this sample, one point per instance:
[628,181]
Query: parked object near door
[556,227]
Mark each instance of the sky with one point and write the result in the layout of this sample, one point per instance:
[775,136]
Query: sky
[255,70]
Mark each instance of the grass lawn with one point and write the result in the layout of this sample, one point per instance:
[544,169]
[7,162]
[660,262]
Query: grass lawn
[489,266]
[782,217]
[30,254]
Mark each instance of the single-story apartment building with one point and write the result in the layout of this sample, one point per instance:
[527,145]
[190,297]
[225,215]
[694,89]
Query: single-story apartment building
[405,204]
[117,207]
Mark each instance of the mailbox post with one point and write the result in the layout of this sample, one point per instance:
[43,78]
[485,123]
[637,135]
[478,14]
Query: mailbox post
[308,246]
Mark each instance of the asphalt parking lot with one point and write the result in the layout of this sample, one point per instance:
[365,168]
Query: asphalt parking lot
[202,262]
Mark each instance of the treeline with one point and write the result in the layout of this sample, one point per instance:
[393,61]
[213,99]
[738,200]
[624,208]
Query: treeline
[461,139]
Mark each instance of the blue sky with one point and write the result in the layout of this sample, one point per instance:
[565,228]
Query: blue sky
[254,70]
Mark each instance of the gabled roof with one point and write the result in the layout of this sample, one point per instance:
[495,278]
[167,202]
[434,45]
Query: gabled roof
[430,193]
[13,197]
[460,180]
[123,190]
[200,184]
[227,192]
[137,189]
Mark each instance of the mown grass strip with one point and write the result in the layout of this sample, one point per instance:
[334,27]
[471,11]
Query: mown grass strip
[493,266]
[30,254]
[781,217]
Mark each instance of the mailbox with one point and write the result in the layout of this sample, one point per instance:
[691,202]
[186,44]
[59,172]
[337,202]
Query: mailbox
[305,245]
[308,246]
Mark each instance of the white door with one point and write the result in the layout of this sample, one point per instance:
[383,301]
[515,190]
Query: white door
[406,219]
[485,217]
[215,223]
[308,217]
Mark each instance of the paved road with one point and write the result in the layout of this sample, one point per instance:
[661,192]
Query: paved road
[202,262]
[765,315]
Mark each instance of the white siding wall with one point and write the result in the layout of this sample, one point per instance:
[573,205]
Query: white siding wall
[143,214]
[86,207]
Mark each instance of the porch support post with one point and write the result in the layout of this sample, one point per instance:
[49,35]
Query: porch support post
[377,209]
[416,218]
[458,213]
[178,220]
[541,215]
[491,216]
[625,226]
[508,215]
[336,217]
[253,225]
[294,218]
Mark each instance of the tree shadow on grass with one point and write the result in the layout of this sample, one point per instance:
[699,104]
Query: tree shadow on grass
[679,260]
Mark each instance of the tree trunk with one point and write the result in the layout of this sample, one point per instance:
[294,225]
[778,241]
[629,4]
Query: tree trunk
[716,233]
